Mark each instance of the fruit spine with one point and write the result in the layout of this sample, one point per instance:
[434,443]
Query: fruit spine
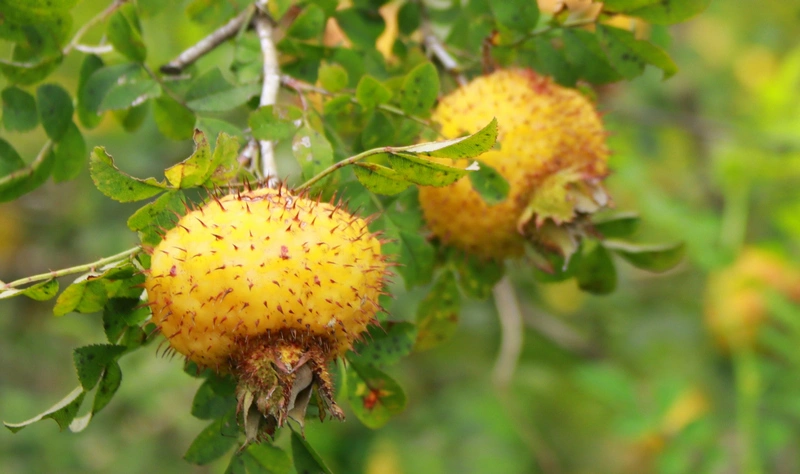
[271,287]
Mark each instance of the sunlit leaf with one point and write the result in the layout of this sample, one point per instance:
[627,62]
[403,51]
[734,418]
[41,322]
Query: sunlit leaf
[41,291]
[658,11]
[333,77]
[62,412]
[423,171]
[265,125]
[117,185]
[312,151]
[172,118]
[193,170]
[157,216]
[380,179]
[470,146]
[629,56]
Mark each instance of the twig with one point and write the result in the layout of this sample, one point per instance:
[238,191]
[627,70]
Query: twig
[97,49]
[102,16]
[30,169]
[72,270]
[511,327]
[434,46]
[269,90]
[207,44]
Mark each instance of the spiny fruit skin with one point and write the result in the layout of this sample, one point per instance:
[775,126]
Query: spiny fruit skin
[266,272]
[552,153]
[736,297]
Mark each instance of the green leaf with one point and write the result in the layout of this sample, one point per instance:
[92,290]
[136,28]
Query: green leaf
[19,110]
[425,172]
[133,118]
[89,118]
[380,179]
[419,90]
[490,184]
[477,277]
[552,62]
[62,412]
[212,93]
[379,131]
[437,315]
[385,344]
[306,460]
[596,272]
[467,147]
[658,11]
[408,18]
[312,150]
[70,154]
[173,119]
[108,386]
[363,26]
[25,179]
[125,36]
[655,258]
[208,404]
[265,125]
[413,252]
[623,224]
[333,77]
[629,56]
[309,23]
[10,161]
[214,127]
[261,458]
[370,92]
[83,296]
[214,441]
[160,214]
[225,160]
[117,185]
[100,81]
[517,15]
[42,291]
[114,316]
[29,74]
[129,93]
[374,396]
[193,170]
[584,52]
[55,109]
[91,361]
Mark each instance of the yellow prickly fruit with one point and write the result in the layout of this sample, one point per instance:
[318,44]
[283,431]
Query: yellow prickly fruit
[269,286]
[552,153]
[735,303]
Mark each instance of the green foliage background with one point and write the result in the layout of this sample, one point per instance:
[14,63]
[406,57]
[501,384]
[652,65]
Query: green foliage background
[710,157]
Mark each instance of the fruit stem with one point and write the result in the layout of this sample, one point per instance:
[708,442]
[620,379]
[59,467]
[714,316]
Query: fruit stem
[512,328]
[71,270]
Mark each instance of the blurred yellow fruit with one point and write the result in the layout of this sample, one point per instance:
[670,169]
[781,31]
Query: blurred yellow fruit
[735,302]
[552,153]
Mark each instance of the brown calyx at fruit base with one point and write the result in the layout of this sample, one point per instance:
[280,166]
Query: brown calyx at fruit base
[278,374]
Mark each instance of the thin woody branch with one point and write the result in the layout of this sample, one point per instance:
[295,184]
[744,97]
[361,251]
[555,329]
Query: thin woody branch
[269,91]
[207,44]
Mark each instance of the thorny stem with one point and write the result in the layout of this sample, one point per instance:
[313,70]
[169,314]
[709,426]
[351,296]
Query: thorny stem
[512,328]
[343,163]
[269,90]
[87,267]
[208,44]
[28,170]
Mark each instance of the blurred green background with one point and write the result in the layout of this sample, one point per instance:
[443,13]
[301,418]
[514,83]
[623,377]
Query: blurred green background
[632,382]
